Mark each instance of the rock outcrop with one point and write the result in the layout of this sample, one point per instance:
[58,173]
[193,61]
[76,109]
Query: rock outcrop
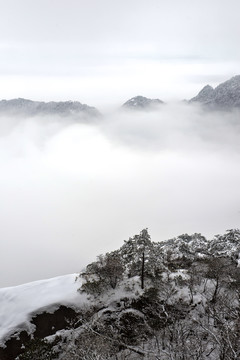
[141,103]
[225,96]
[32,108]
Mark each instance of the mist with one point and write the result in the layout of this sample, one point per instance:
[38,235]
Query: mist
[71,191]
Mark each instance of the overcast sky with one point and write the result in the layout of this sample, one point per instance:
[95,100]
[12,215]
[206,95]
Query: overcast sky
[71,191]
[102,52]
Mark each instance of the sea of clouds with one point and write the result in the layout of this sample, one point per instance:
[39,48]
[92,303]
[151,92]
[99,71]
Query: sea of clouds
[71,190]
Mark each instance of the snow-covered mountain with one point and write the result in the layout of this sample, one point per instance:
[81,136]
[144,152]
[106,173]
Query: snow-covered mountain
[132,302]
[224,96]
[141,103]
[36,309]
[18,304]
[31,108]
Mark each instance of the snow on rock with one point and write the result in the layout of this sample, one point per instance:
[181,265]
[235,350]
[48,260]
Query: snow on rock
[224,96]
[141,102]
[205,96]
[30,108]
[227,244]
[19,302]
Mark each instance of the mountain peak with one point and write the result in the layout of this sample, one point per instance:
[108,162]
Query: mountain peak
[27,107]
[205,95]
[140,102]
[225,96]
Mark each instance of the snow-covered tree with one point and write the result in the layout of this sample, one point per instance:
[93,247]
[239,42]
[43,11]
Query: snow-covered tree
[135,253]
[104,273]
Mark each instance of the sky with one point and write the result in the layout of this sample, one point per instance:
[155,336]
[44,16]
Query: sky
[70,190]
[103,52]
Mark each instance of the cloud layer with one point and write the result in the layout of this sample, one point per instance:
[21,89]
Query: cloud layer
[70,191]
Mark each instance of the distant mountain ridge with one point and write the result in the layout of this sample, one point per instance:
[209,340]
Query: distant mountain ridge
[224,96]
[27,107]
[141,103]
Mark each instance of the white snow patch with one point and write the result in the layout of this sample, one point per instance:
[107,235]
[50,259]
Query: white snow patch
[238,262]
[179,272]
[128,288]
[17,303]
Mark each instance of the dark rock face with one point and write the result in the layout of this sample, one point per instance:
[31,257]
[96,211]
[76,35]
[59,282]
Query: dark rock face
[32,108]
[141,102]
[14,346]
[46,324]
[224,96]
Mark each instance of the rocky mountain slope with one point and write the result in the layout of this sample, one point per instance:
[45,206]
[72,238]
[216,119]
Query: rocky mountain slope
[141,103]
[32,108]
[224,96]
[176,299]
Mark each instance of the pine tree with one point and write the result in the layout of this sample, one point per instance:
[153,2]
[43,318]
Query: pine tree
[135,254]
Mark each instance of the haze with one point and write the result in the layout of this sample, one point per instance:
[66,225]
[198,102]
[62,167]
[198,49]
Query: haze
[71,191]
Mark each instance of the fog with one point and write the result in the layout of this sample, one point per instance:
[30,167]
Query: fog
[71,191]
